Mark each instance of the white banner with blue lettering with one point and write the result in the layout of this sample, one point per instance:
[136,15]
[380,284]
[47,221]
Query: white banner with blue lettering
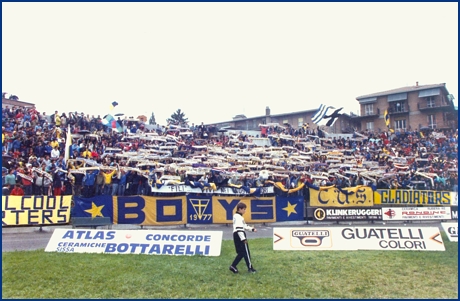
[156,242]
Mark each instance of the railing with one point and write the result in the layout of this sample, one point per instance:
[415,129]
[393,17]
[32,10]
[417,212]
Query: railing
[431,105]
[397,110]
[438,125]
[367,113]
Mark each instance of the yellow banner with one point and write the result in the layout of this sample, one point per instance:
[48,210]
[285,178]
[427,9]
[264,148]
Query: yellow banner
[350,197]
[35,210]
[148,210]
[413,197]
[261,210]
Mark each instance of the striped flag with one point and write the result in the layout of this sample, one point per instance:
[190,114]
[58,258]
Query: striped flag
[386,117]
[319,115]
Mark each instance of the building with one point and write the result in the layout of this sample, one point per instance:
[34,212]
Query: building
[13,101]
[295,119]
[411,108]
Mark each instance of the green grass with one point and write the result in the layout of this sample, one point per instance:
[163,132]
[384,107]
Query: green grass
[281,274]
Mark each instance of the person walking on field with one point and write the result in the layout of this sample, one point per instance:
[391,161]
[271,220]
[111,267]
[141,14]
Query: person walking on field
[240,240]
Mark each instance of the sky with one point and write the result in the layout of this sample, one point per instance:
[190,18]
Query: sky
[214,61]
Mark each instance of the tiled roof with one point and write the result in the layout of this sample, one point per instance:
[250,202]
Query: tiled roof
[403,89]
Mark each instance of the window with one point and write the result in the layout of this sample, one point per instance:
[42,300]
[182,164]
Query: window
[370,126]
[285,121]
[300,122]
[369,109]
[400,124]
[398,106]
[430,102]
[432,121]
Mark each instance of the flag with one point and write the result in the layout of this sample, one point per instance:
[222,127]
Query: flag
[110,121]
[289,208]
[113,105]
[68,144]
[332,118]
[318,118]
[386,117]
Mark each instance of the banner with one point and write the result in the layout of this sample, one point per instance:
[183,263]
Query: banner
[451,230]
[139,210]
[261,210]
[358,238]
[414,197]
[199,209]
[151,242]
[35,210]
[347,214]
[454,212]
[347,197]
[193,209]
[208,190]
[416,213]
[290,208]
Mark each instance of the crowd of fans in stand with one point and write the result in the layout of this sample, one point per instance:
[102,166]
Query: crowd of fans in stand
[33,150]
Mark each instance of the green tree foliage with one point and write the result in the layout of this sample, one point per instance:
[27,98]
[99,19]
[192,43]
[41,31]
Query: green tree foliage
[152,119]
[178,118]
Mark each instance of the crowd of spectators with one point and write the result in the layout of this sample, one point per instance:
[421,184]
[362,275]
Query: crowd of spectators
[34,156]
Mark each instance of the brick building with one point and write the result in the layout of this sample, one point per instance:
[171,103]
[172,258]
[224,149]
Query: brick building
[412,107]
[343,124]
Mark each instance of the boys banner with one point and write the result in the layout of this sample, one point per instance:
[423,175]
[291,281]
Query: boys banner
[35,210]
[347,197]
[414,197]
[139,210]
[193,209]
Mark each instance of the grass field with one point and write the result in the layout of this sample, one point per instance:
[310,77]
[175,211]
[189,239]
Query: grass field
[281,274]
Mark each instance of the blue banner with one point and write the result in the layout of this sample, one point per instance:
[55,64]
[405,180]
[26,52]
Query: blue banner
[192,209]
[289,208]
[199,209]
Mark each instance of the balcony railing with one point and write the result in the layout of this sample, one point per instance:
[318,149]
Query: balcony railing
[438,125]
[432,105]
[373,113]
[398,110]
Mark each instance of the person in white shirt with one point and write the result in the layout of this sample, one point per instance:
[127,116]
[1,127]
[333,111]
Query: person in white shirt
[240,240]
[55,153]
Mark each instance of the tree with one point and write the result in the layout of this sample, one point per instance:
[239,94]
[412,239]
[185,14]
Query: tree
[178,118]
[152,119]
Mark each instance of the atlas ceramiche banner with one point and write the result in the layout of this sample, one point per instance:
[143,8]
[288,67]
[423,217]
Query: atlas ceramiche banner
[151,242]
[416,213]
[358,238]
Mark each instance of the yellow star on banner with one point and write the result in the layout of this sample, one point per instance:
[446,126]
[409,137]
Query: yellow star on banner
[290,208]
[95,210]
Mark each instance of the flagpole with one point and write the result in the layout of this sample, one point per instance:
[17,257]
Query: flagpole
[68,143]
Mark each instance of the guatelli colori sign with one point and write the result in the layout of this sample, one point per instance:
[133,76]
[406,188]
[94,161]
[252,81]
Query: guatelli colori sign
[358,238]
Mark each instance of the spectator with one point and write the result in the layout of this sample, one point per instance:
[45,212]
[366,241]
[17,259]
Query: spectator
[17,190]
